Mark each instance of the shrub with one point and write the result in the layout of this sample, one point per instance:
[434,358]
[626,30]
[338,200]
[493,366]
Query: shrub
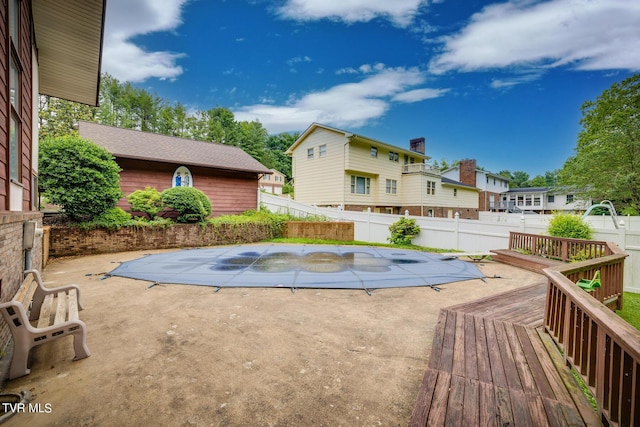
[403,231]
[147,201]
[79,176]
[569,225]
[191,204]
[112,218]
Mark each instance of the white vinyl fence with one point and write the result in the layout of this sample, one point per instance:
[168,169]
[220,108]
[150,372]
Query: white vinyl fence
[491,231]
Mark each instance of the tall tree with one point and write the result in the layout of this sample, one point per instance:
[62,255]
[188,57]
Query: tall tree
[277,145]
[606,160]
[58,117]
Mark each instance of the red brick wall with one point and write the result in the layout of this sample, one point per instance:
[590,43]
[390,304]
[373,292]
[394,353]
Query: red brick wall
[468,172]
[72,241]
[12,258]
[229,192]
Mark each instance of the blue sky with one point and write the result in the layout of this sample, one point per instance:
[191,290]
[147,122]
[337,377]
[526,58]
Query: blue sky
[498,81]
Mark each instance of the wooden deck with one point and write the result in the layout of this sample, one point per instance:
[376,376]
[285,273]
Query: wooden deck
[491,364]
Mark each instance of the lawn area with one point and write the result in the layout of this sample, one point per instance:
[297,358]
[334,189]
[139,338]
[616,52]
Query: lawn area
[631,309]
[305,241]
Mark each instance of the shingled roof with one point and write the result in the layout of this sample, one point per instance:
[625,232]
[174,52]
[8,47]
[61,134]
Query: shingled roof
[134,144]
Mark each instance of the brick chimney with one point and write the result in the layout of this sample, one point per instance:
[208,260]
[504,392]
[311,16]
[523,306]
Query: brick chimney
[468,171]
[417,145]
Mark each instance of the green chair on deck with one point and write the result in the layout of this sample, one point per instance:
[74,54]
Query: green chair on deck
[590,285]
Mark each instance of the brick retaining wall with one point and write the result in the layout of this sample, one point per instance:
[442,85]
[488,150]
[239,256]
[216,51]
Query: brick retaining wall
[342,231]
[70,241]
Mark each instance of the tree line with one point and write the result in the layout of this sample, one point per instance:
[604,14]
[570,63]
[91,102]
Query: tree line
[125,106]
[605,163]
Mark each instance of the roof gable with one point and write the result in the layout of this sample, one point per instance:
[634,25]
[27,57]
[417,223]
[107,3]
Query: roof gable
[351,137]
[134,144]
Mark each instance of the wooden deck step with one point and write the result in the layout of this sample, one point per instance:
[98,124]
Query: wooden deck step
[508,306]
[528,262]
[487,369]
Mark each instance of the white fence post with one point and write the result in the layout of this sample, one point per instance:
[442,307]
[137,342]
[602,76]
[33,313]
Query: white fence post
[369,223]
[456,230]
[523,226]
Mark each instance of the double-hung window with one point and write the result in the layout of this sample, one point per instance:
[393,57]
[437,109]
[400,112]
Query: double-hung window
[391,186]
[14,92]
[431,188]
[360,185]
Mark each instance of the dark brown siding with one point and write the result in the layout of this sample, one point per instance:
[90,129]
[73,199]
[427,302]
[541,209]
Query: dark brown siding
[4,103]
[229,192]
[26,97]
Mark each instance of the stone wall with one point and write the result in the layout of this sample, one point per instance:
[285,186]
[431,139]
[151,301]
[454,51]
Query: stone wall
[70,241]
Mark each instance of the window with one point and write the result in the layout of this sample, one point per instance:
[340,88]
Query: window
[309,153]
[394,157]
[551,198]
[527,200]
[374,151]
[391,186]
[520,200]
[455,192]
[14,150]
[569,198]
[360,185]
[182,177]
[322,150]
[536,201]
[278,178]
[15,69]
[431,188]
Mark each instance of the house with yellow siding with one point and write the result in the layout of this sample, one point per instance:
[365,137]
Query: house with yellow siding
[333,167]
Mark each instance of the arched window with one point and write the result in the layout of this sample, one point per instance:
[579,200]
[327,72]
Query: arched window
[182,177]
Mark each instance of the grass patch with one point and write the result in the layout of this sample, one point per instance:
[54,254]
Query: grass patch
[585,390]
[631,309]
[304,241]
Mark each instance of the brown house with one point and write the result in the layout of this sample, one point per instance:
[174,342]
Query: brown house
[226,174]
[51,48]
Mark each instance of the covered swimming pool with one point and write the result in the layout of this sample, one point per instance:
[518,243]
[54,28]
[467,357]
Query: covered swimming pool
[299,266]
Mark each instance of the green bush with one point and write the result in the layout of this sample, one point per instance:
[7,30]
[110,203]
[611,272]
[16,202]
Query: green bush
[112,218]
[570,226]
[147,201]
[403,231]
[191,204]
[79,176]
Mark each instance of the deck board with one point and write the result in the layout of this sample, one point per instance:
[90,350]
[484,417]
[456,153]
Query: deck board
[491,365]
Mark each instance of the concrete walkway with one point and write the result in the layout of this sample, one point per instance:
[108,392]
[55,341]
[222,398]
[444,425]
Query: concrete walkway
[179,355]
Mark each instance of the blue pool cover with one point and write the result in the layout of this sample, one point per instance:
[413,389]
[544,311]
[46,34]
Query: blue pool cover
[299,266]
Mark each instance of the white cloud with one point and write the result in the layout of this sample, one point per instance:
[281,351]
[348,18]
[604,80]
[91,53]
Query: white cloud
[400,12]
[126,19]
[509,82]
[586,34]
[417,95]
[347,105]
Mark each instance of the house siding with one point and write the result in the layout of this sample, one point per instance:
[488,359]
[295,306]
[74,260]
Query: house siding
[229,192]
[12,254]
[326,181]
[320,180]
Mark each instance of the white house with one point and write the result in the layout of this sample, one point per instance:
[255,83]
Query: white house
[333,167]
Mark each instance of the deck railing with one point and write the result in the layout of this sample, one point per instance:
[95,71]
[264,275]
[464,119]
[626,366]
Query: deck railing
[602,347]
[558,248]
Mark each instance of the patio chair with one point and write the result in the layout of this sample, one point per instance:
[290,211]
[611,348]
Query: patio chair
[590,285]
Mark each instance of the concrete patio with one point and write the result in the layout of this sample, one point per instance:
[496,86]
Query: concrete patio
[185,355]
